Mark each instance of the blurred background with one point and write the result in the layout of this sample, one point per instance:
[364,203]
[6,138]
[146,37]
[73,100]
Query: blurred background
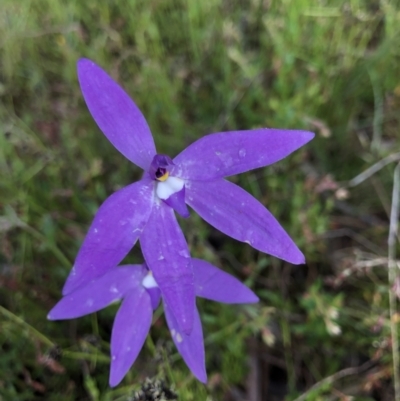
[323,331]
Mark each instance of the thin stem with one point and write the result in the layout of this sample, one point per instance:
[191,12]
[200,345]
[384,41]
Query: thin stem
[86,356]
[288,356]
[53,247]
[45,340]
[337,376]
[12,215]
[378,114]
[392,272]
[369,172]
[27,326]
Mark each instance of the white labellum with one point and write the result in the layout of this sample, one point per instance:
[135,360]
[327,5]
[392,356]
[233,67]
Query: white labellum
[169,187]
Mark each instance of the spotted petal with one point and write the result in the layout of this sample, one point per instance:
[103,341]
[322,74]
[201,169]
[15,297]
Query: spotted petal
[130,329]
[191,346]
[227,153]
[115,229]
[167,255]
[236,213]
[99,293]
[213,283]
[116,114]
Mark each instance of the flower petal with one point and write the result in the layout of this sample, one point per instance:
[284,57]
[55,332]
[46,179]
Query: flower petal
[191,346]
[227,153]
[177,202]
[236,213]
[152,289]
[213,283]
[115,229]
[131,326]
[116,114]
[99,293]
[167,255]
[155,296]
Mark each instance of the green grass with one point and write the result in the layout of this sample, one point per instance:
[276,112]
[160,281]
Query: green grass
[194,68]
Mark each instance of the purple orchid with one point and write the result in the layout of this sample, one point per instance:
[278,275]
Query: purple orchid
[137,288]
[145,210]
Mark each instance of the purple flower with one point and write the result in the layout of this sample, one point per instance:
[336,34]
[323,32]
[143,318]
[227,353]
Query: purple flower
[195,177]
[135,285]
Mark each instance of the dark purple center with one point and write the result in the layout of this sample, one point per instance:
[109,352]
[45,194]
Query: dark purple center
[160,165]
[160,172]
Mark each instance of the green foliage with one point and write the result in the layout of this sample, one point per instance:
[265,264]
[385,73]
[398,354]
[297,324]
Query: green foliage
[196,67]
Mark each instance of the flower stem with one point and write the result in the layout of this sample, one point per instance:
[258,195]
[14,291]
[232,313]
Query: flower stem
[45,340]
[21,322]
[392,272]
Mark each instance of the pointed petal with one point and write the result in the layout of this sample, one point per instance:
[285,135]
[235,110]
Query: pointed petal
[116,114]
[131,326]
[213,283]
[191,346]
[99,293]
[115,229]
[167,255]
[236,213]
[227,153]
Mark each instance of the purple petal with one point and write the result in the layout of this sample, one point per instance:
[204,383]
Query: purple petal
[115,229]
[155,296]
[167,255]
[236,213]
[191,346]
[227,153]
[116,114]
[177,202]
[213,283]
[99,293]
[130,329]
[152,288]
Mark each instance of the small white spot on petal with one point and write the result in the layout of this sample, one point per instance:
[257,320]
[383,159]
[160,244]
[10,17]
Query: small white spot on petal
[173,332]
[217,153]
[184,253]
[89,302]
[247,242]
[113,289]
[161,257]
[179,338]
[96,230]
[242,152]
[114,358]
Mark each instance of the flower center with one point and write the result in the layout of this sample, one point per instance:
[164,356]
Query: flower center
[151,286]
[170,189]
[160,167]
[161,174]
[149,281]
